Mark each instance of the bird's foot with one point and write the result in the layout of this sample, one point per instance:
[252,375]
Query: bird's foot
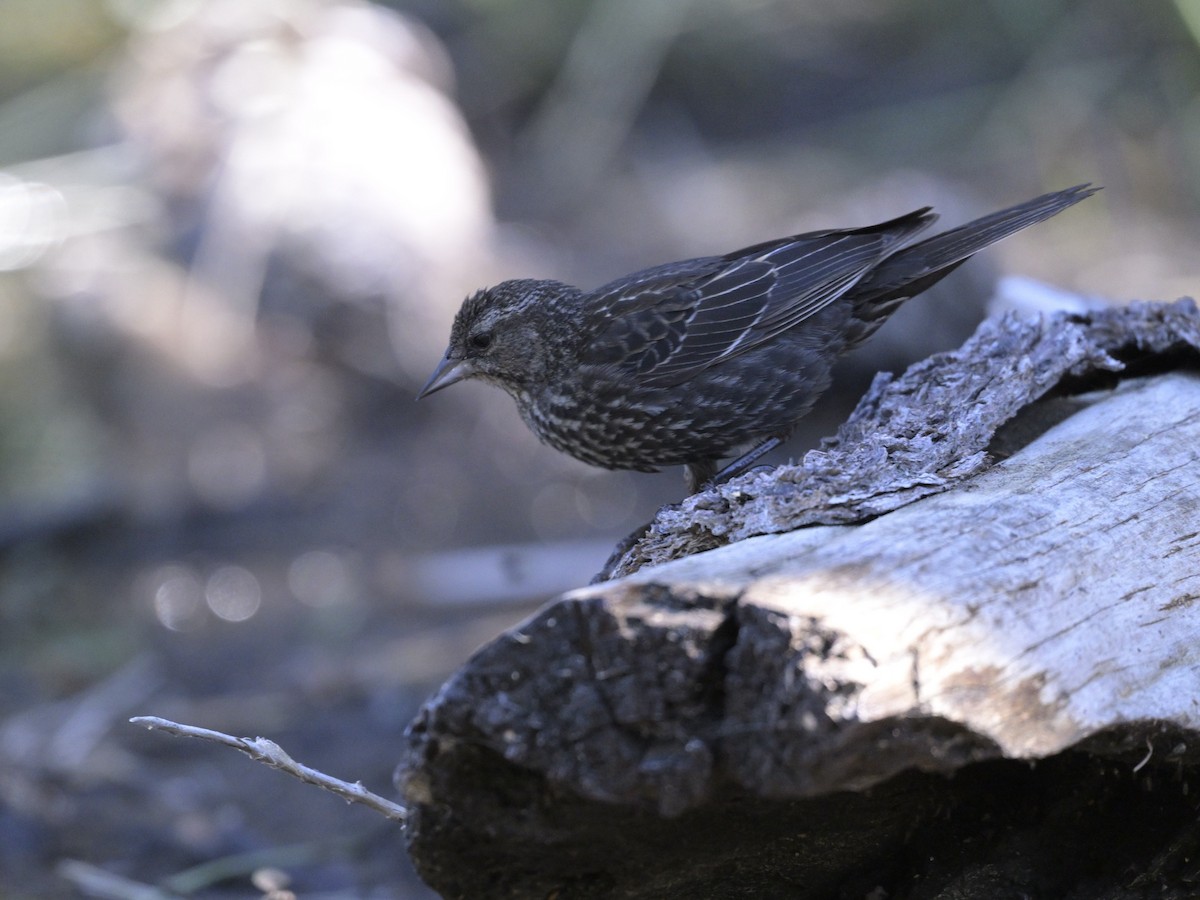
[744,463]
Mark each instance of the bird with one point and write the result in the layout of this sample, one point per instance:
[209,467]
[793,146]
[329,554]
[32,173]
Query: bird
[693,362]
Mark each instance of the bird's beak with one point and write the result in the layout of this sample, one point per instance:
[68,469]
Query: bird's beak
[448,372]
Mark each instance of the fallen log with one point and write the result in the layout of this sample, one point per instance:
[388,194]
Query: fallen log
[995,563]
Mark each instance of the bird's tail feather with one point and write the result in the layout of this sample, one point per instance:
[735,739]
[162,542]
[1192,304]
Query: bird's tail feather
[917,266]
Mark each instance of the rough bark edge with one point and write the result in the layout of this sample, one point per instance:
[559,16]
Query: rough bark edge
[911,437]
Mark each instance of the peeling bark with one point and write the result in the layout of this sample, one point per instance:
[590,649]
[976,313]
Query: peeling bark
[926,431]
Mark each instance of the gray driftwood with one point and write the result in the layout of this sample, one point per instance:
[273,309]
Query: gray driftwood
[780,716]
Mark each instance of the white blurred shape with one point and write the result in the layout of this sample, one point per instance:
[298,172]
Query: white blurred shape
[178,598]
[320,578]
[233,594]
[318,133]
[33,219]
[1028,295]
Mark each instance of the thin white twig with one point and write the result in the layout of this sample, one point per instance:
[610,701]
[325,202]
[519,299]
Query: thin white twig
[1149,753]
[270,753]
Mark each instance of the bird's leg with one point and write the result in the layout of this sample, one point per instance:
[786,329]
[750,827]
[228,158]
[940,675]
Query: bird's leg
[744,462]
[700,475]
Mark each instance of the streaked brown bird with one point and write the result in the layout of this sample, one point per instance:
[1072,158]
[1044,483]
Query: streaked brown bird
[693,362]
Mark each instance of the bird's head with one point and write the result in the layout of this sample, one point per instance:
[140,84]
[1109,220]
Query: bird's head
[500,336]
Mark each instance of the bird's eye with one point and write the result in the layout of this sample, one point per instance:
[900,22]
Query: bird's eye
[480,341]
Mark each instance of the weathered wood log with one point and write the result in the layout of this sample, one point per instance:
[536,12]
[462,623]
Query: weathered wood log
[780,716]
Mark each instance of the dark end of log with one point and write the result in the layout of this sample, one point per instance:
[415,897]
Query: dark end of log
[1073,826]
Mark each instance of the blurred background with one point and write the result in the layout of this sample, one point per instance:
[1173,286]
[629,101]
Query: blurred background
[233,235]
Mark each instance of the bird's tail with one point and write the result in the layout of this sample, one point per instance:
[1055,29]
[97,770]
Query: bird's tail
[918,266]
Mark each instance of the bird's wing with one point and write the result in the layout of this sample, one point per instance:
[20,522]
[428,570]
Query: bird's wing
[668,323]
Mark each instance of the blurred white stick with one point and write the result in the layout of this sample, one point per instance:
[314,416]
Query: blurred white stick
[266,751]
